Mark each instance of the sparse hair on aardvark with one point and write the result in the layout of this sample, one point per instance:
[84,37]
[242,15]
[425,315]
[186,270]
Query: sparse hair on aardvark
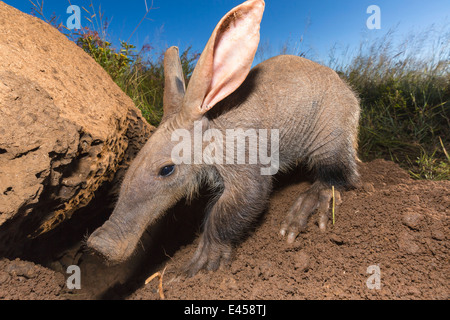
[314,112]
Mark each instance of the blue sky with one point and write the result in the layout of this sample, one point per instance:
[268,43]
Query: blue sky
[323,23]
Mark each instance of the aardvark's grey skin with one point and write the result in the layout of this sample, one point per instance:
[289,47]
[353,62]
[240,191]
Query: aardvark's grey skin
[316,115]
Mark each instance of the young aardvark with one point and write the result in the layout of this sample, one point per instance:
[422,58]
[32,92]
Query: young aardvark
[309,110]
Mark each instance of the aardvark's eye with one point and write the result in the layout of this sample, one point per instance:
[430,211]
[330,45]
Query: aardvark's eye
[167,171]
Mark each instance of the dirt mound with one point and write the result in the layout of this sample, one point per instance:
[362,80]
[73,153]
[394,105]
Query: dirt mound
[66,129]
[391,224]
[22,280]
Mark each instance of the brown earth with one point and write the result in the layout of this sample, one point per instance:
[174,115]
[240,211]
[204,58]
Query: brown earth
[67,131]
[393,222]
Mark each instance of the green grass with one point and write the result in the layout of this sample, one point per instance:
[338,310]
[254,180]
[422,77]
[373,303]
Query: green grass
[405,103]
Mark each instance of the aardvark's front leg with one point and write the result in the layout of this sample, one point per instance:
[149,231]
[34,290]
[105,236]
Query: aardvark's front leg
[228,220]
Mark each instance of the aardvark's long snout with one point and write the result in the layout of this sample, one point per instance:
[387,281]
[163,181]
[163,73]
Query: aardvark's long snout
[112,243]
[117,239]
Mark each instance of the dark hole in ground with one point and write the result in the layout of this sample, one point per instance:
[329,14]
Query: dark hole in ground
[8,191]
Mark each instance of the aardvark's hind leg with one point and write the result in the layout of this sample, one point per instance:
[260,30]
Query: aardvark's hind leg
[318,197]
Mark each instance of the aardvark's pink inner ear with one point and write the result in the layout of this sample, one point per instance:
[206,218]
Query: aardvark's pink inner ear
[234,51]
[227,58]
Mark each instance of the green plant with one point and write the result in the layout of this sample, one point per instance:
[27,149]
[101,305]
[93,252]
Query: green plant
[430,167]
[405,103]
[115,62]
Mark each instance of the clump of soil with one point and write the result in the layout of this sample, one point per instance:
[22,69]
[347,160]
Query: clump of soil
[391,223]
[23,280]
[68,133]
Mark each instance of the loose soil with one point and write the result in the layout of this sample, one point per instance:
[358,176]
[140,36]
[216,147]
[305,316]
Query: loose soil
[392,222]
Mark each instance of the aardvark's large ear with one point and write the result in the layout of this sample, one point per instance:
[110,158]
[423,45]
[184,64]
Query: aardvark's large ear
[174,87]
[226,60]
